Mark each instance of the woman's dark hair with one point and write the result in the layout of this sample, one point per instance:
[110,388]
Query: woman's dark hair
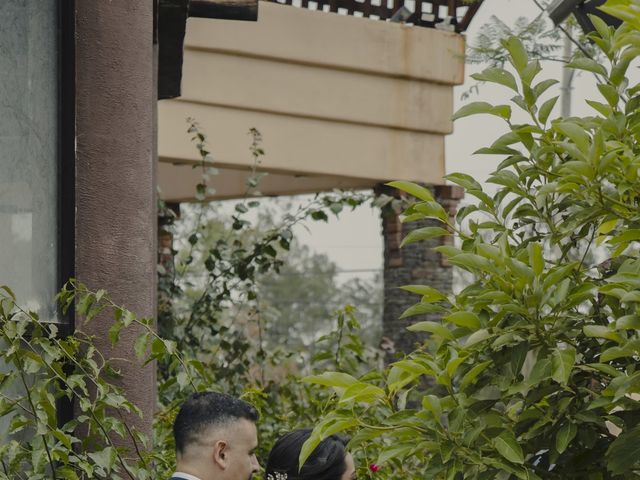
[326,462]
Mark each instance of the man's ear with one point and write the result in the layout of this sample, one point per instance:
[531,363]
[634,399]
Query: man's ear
[221,454]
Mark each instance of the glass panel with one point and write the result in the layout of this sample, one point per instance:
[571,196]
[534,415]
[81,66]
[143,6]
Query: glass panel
[28,151]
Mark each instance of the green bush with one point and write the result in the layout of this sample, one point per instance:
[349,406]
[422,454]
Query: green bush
[42,368]
[536,361]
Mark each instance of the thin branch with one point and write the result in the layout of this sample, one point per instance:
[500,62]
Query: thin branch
[35,414]
[133,439]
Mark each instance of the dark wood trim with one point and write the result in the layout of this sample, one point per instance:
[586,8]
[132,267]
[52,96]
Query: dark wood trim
[468,16]
[66,171]
[225,9]
[66,144]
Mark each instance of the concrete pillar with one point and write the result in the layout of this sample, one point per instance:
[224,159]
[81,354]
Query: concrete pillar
[115,222]
[413,264]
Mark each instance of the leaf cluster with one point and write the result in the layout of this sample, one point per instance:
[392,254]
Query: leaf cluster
[535,362]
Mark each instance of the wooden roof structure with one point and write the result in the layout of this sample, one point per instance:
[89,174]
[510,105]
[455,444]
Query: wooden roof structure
[341,101]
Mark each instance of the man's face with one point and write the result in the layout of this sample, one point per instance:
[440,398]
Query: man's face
[243,442]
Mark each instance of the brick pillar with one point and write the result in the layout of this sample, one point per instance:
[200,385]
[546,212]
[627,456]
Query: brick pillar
[416,263]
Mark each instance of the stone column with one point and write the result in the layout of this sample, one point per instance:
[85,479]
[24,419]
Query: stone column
[416,263]
[115,222]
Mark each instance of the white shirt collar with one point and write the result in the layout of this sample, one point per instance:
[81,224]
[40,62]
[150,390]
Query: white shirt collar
[185,476]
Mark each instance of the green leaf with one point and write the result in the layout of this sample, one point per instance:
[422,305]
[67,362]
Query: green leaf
[395,452]
[562,362]
[432,210]
[564,436]
[476,108]
[543,86]
[508,447]
[140,346]
[424,233]
[114,332]
[182,379]
[535,258]
[9,292]
[624,452]
[600,331]
[421,309]
[464,319]
[431,327]
[626,10]
[331,379]
[603,29]
[530,72]
[472,261]
[584,63]
[631,297]
[362,392]
[431,403]
[557,274]
[629,349]
[477,337]
[628,322]
[576,133]
[104,458]
[497,75]
[603,109]
[429,294]
[464,180]
[609,93]
[309,446]
[517,52]
[329,426]
[414,189]
[473,373]
[546,109]
[608,226]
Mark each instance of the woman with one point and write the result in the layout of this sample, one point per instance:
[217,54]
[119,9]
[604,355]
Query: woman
[329,461]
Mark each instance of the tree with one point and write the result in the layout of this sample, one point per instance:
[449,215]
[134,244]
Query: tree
[536,360]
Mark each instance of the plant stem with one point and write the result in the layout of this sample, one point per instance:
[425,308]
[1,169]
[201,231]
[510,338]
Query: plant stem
[35,414]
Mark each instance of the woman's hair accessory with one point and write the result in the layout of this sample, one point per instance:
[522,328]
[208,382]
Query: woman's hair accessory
[279,476]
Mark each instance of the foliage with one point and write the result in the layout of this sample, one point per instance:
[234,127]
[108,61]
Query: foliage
[45,367]
[235,253]
[41,370]
[539,39]
[536,361]
[229,269]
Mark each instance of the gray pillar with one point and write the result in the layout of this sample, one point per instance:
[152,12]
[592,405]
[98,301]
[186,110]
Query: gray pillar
[115,179]
[413,264]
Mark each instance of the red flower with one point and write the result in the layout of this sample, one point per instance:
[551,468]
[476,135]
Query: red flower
[374,468]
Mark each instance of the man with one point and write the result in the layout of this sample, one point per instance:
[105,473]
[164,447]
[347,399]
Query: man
[216,438]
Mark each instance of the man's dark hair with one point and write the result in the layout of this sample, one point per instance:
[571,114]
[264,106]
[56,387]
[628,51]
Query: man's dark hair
[208,409]
[326,462]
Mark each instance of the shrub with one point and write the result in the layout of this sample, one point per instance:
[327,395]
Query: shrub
[536,361]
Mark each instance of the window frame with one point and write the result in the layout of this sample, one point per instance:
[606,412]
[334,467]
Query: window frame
[66,172]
